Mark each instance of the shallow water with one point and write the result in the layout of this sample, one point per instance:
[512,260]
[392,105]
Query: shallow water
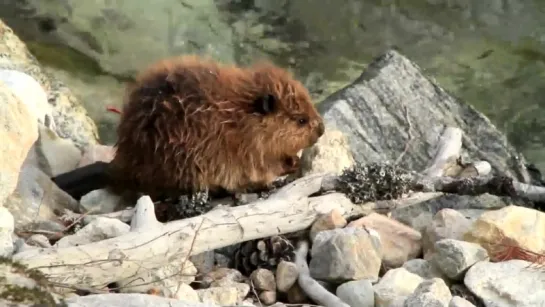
[489,53]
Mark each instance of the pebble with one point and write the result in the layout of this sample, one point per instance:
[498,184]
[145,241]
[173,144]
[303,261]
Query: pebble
[286,275]
[357,293]
[395,287]
[431,292]
[223,296]
[263,280]
[423,268]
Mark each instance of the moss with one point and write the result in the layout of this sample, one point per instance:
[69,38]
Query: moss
[374,181]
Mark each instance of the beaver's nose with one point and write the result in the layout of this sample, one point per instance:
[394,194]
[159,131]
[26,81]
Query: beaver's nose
[321,129]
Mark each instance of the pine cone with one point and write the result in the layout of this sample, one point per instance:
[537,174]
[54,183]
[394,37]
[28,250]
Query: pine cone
[263,253]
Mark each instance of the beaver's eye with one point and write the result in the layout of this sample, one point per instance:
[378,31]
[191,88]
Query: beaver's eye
[302,121]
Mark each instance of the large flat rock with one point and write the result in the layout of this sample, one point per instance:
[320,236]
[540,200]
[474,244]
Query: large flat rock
[394,101]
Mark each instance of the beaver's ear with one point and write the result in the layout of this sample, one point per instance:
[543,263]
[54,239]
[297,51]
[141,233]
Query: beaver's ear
[265,104]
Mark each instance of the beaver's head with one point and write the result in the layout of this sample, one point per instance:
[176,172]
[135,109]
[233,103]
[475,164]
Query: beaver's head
[289,119]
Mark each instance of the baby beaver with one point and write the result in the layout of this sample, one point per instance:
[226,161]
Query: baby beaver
[190,125]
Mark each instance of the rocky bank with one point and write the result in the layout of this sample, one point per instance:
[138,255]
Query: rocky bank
[411,198]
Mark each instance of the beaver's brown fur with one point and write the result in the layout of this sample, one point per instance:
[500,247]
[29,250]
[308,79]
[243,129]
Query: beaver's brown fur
[190,124]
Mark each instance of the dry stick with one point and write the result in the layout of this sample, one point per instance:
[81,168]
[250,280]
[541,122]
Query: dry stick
[310,286]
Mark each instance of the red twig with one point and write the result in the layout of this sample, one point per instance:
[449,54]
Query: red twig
[113,109]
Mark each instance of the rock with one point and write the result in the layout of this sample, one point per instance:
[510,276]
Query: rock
[101,228]
[101,201]
[423,268]
[332,220]
[204,262]
[520,226]
[267,297]
[95,153]
[7,226]
[457,301]
[56,155]
[374,109]
[399,242]
[395,287]
[506,284]
[223,296]
[420,216]
[36,198]
[263,280]
[31,93]
[220,277]
[186,293]
[357,293]
[20,286]
[454,257]
[431,292]
[286,275]
[296,295]
[19,131]
[345,254]
[446,224]
[38,240]
[330,154]
[70,118]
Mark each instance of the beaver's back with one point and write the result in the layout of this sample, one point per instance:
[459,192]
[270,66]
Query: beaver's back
[183,128]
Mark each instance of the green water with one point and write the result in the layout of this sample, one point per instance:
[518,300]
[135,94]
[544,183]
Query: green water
[489,53]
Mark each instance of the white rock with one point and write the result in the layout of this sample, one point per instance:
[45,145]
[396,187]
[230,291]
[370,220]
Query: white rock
[507,284]
[394,287]
[31,93]
[100,201]
[7,225]
[458,301]
[432,292]
[186,293]
[6,220]
[59,154]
